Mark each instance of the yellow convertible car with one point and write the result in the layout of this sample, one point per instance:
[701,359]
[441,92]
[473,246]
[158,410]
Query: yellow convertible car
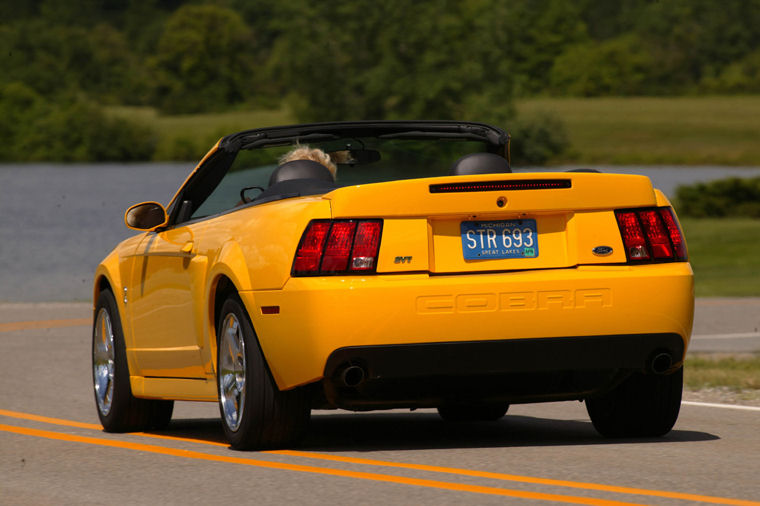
[375,265]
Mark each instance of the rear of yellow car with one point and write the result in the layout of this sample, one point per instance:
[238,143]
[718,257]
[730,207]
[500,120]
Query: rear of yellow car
[275,290]
[469,293]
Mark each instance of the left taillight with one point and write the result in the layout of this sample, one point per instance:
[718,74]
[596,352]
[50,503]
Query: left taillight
[651,235]
[330,247]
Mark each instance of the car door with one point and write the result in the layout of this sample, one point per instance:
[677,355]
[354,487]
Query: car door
[166,281]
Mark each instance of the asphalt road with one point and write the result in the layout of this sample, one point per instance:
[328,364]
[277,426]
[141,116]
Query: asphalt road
[52,450]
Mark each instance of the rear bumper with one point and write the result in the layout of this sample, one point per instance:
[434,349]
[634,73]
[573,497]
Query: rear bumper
[512,370]
[318,316]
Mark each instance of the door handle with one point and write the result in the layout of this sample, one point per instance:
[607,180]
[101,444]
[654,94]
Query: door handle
[187,248]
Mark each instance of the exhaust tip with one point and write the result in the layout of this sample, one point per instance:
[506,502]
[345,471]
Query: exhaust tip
[352,376]
[661,363]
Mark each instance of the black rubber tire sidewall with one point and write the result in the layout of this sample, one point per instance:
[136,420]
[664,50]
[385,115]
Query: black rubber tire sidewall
[271,418]
[128,413]
[644,405]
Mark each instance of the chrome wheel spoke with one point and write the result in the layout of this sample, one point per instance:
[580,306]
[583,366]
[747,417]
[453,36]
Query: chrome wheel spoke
[232,372]
[103,355]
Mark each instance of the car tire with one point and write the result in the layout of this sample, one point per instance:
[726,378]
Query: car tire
[644,405]
[473,413]
[118,409]
[255,413]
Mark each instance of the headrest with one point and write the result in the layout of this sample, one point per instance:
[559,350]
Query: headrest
[479,163]
[300,169]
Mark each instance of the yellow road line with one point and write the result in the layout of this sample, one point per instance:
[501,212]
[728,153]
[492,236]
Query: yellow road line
[45,324]
[527,479]
[419,467]
[45,419]
[401,480]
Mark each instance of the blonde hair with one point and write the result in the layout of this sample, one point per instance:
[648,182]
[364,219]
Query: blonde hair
[303,152]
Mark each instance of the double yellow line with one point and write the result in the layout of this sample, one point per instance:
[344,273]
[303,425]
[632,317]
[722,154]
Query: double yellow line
[435,484]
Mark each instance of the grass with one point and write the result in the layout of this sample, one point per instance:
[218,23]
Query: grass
[629,131]
[738,373]
[724,256]
[657,130]
[189,136]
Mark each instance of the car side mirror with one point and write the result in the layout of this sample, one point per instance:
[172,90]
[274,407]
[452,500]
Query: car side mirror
[146,216]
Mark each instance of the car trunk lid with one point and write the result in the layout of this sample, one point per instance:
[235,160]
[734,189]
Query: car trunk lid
[496,222]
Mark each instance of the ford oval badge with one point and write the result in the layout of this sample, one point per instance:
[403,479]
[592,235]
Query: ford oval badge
[602,251]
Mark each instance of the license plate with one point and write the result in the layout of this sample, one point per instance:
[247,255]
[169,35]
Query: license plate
[499,239]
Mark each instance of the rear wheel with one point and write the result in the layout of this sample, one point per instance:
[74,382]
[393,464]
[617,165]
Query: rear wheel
[255,413]
[118,409]
[472,412]
[644,405]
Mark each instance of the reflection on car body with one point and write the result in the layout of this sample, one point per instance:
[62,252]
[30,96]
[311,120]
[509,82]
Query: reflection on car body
[428,274]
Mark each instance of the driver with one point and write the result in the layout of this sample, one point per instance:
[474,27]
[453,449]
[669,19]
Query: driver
[304,152]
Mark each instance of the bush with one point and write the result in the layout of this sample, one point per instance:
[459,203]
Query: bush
[738,77]
[537,138]
[69,130]
[722,198]
[618,66]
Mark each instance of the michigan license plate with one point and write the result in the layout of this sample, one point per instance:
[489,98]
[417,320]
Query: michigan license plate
[499,239]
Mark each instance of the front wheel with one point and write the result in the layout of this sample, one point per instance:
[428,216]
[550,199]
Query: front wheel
[644,405]
[255,413]
[118,409]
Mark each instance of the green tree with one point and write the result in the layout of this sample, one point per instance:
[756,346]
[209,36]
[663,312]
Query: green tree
[741,76]
[203,60]
[369,60]
[539,31]
[619,66]
[54,59]
[17,103]
[692,39]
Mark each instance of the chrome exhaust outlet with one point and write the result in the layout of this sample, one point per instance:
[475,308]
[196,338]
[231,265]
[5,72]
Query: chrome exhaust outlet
[661,363]
[352,376]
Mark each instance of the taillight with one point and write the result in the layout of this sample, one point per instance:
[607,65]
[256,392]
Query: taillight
[633,237]
[674,231]
[651,234]
[312,244]
[365,247]
[338,247]
[654,229]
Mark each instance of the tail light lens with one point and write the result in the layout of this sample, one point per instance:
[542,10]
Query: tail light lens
[366,245]
[654,229]
[651,234]
[312,245]
[674,232]
[338,247]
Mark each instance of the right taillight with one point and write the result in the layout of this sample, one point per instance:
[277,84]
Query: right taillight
[331,247]
[651,235]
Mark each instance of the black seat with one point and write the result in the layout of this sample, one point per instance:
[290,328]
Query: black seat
[479,163]
[300,169]
[297,179]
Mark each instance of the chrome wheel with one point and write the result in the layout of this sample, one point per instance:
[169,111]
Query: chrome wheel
[232,372]
[103,355]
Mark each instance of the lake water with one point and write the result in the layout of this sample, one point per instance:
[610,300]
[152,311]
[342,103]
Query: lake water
[58,221]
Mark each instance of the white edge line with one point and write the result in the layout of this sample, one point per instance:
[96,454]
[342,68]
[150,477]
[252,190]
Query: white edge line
[747,335]
[724,406]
